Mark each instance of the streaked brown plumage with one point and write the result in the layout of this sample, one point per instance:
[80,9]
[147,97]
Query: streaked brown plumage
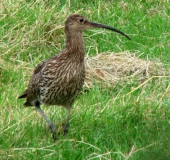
[58,80]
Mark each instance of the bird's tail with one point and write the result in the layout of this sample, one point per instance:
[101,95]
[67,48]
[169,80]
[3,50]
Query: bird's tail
[24,95]
[27,103]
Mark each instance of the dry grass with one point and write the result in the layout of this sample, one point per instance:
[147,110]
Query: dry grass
[119,68]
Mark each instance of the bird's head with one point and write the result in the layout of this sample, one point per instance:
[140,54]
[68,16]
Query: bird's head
[78,22]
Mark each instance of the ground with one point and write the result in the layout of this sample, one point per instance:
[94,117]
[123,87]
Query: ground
[126,121]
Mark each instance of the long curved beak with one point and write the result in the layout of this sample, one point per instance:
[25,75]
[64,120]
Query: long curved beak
[97,25]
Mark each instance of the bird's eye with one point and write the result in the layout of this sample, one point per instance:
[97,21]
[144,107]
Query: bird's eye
[81,20]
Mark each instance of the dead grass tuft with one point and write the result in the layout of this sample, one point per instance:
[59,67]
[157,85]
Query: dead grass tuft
[123,67]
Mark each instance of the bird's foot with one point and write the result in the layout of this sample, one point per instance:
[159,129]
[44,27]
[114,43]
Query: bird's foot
[54,135]
[66,129]
[52,128]
[65,132]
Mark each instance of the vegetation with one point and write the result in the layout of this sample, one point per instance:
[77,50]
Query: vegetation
[124,122]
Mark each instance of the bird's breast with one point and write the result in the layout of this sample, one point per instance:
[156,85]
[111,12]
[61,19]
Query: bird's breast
[61,84]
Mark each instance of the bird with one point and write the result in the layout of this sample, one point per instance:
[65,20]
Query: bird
[59,79]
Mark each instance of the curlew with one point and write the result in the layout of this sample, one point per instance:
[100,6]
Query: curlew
[59,79]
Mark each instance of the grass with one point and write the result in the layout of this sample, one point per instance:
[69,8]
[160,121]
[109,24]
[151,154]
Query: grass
[112,123]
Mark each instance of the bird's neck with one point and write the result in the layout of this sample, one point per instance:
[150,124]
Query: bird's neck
[75,45]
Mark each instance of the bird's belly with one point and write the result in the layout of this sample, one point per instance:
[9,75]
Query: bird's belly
[61,93]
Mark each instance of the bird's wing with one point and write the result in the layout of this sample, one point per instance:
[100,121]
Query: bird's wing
[33,78]
[39,67]
[42,64]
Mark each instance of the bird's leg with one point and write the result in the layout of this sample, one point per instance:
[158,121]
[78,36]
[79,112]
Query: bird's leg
[67,121]
[51,125]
